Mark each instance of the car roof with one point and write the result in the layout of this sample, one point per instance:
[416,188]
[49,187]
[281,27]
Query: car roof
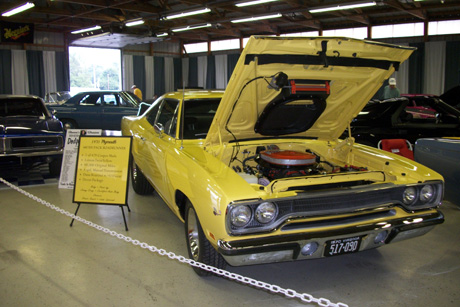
[195,94]
[10,96]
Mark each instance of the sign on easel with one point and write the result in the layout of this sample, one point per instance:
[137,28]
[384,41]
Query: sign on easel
[101,175]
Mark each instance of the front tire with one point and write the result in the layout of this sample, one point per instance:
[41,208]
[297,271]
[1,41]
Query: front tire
[198,246]
[140,184]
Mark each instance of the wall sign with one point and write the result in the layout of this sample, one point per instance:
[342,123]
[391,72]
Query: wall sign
[17,32]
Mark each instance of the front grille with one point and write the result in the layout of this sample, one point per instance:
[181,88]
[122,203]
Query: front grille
[342,201]
[21,143]
[32,143]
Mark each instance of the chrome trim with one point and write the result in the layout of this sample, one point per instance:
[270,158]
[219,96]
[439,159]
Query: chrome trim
[247,251]
[351,200]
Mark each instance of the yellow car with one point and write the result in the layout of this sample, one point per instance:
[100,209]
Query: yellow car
[258,172]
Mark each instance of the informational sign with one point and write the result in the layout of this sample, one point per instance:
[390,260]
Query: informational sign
[17,32]
[69,158]
[102,170]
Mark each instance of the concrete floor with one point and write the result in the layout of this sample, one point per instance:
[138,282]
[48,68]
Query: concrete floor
[44,262]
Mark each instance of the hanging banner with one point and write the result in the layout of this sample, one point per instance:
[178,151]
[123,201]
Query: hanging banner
[102,170]
[17,32]
[69,158]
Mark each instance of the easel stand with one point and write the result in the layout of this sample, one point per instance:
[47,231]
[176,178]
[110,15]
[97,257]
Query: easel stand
[122,212]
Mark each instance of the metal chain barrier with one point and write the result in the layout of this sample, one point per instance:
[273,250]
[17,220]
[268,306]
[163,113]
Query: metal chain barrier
[304,297]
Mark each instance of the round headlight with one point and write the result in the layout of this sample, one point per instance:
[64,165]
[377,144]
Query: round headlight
[266,212]
[427,193]
[409,195]
[240,216]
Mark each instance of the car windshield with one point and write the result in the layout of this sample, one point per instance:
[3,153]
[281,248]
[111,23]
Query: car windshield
[128,98]
[199,114]
[22,107]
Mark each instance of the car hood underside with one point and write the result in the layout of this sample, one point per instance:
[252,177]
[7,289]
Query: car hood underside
[307,87]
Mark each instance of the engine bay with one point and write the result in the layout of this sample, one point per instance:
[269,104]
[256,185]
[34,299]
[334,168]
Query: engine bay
[271,163]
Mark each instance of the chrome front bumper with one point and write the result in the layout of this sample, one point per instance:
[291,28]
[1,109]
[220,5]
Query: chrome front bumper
[288,247]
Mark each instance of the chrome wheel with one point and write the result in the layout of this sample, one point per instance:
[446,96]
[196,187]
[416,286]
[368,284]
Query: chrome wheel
[193,235]
[134,170]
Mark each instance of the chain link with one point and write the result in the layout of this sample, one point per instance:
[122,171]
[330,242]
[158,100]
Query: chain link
[304,297]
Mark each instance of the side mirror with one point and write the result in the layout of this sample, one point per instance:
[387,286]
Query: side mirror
[158,127]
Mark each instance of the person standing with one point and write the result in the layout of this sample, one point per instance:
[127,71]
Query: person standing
[137,91]
[391,91]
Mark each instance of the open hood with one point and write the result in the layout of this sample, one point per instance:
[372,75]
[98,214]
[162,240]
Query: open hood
[308,87]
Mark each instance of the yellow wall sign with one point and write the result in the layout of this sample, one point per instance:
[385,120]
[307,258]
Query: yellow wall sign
[101,175]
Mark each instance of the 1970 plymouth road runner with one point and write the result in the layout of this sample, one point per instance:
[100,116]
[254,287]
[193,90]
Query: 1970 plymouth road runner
[258,172]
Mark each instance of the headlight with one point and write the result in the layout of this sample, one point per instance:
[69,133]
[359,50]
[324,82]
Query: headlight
[427,193]
[409,195]
[266,212]
[240,216]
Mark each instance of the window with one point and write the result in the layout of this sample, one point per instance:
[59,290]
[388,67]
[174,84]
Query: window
[110,100]
[400,30]
[90,100]
[195,48]
[310,33]
[444,27]
[359,33]
[167,116]
[228,44]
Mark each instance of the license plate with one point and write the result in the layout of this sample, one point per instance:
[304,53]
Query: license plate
[342,246]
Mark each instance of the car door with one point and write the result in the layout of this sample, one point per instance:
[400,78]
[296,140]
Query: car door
[115,106]
[88,113]
[158,141]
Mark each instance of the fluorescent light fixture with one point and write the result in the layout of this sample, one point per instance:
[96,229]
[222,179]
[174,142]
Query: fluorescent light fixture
[250,19]
[162,34]
[343,7]
[191,28]
[255,2]
[18,9]
[134,23]
[86,30]
[190,13]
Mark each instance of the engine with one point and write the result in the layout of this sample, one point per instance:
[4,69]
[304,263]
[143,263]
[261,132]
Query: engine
[276,164]
[272,163]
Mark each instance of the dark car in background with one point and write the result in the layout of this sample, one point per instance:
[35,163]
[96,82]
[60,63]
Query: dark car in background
[57,98]
[29,133]
[394,119]
[97,110]
[443,156]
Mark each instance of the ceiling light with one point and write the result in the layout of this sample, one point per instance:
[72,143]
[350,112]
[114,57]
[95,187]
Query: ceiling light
[18,9]
[162,34]
[191,28]
[133,23]
[86,30]
[185,14]
[343,7]
[250,19]
[255,2]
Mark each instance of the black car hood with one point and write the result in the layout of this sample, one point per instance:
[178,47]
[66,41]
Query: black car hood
[452,96]
[29,125]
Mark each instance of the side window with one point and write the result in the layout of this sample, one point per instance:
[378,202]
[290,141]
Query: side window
[167,116]
[151,113]
[124,102]
[109,99]
[90,100]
